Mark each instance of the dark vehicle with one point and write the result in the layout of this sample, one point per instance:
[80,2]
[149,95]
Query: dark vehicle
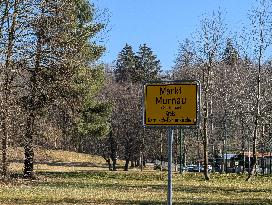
[201,168]
[190,168]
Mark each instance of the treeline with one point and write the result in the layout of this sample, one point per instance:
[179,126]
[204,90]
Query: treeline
[235,76]
[54,94]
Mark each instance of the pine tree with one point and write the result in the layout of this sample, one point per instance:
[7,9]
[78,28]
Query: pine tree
[186,55]
[126,65]
[148,66]
[92,122]
[60,32]
[230,56]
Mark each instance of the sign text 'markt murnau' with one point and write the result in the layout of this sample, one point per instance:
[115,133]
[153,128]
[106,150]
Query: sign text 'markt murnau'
[174,100]
[170,104]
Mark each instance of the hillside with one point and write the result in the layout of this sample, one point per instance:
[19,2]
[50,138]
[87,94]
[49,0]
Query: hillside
[56,160]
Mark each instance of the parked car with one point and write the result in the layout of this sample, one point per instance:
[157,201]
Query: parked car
[190,168]
[201,168]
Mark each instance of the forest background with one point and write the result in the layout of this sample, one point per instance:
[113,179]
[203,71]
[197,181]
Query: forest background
[54,93]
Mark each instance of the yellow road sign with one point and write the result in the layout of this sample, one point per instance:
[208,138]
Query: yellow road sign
[171,103]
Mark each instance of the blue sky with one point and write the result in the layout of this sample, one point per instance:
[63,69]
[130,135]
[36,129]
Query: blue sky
[162,24]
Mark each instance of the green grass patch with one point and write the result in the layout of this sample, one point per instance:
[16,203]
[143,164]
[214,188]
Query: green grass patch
[133,187]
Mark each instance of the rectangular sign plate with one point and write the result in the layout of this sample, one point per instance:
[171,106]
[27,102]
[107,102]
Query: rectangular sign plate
[171,103]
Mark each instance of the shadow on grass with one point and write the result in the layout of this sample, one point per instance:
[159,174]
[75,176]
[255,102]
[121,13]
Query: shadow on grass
[135,202]
[94,174]
[66,164]
[102,175]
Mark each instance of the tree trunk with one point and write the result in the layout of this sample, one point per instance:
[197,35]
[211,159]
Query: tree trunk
[126,165]
[144,160]
[109,164]
[127,156]
[205,126]
[184,160]
[252,172]
[137,162]
[7,83]
[132,164]
[32,108]
[29,153]
[80,144]
[270,161]
[184,148]
[205,143]
[4,148]
[141,161]
[253,164]
[254,151]
[114,164]
[107,159]
[223,157]
[5,135]
[243,147]
[113,150]
[142,152]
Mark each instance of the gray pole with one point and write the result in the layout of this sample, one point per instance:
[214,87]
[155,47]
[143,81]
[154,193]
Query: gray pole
[181,151]
[161,152]
[249,161]
[223,157]
[170,144]
[225,139]
[270,157]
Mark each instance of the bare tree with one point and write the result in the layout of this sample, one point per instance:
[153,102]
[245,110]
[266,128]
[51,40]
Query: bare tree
[209,45]
[9,24]
[261,39]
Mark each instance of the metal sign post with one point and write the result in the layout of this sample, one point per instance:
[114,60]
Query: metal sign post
[181,151]
[170,147]
[171,104]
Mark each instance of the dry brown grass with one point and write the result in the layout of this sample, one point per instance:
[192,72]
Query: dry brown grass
[56,160]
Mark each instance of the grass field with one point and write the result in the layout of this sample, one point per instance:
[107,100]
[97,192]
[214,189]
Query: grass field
[87,184]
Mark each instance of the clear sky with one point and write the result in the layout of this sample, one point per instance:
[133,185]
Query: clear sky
[162,24]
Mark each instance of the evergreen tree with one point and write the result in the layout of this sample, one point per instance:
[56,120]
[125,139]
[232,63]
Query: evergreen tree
[230,56]
[148,66]
[92,115]
[92,122]
[131,67]
[61,32]
[126,65]
[186,54]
